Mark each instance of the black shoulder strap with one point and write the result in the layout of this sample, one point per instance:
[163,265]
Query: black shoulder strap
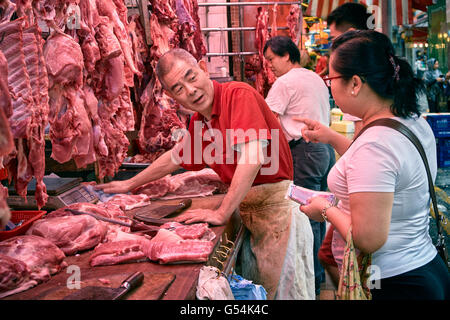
[400,127]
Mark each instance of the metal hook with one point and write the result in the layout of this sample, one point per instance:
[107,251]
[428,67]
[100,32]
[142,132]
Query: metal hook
[232,243]
[226,240]
[225,248]
[223,254]
[223,266]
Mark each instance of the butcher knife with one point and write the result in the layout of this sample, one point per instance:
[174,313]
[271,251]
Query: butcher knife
[105,293]
[134,225]
[154,214]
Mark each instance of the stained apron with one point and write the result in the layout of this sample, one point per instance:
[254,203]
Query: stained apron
[278,252]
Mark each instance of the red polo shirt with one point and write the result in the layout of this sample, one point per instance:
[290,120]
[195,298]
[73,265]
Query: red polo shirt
[239,115]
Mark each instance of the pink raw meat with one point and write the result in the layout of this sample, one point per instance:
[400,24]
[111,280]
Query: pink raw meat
[120,247]
[129,201]
[169,247]
[70,233]
[41,256]
[14,276]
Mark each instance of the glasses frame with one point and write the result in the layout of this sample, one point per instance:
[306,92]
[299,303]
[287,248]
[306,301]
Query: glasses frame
[327,80]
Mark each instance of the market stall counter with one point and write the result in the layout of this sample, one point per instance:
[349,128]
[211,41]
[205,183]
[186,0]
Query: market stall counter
[161,281]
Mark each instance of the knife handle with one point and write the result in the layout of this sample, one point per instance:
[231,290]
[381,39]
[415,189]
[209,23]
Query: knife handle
[133,281]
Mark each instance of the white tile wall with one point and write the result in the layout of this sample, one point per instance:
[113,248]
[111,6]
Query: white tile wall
[217,42]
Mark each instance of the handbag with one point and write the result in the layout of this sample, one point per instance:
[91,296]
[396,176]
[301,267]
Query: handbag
[400,127]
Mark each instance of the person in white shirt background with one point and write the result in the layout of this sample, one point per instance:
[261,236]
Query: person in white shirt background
[347,17]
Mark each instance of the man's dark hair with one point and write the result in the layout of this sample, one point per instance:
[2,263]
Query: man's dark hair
[351,15]
[280,45]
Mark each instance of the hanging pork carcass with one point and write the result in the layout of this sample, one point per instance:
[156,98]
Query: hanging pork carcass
[28,83]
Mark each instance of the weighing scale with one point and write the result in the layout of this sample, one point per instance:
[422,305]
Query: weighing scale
[61,192]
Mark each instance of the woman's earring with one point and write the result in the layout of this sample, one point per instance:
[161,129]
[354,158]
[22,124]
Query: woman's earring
[353,93]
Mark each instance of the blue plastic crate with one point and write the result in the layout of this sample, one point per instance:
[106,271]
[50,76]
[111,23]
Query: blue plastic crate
[443,163]
[443,143]
[443,157]
[440,124]
[443,152]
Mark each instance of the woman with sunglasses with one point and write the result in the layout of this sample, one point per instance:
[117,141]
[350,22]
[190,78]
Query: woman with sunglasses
[380,179]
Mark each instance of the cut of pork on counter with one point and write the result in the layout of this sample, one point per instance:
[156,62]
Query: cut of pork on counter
[119,247]
[15,276]
[71,234]
[41,256]
[199,231]
[174,243]
[184,185]
[177,243]
[168,247]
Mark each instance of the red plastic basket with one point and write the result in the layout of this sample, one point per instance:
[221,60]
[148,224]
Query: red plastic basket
[3,174]
[16,217]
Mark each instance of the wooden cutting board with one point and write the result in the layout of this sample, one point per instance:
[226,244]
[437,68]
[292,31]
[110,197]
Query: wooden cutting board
[153,287]
[159,211]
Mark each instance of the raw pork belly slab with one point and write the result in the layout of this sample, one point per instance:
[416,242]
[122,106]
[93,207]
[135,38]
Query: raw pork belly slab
[182,251]
[184,185]
[195,183]
[111,253]
[99,209]
[199,231]
[129,201]
[169,247]
[41,256]
[70,233]
[108,210]
[14,276]
[119,247]
[155,189]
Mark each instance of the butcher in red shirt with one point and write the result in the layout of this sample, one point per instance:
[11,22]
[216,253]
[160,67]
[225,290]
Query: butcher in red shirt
[234,132]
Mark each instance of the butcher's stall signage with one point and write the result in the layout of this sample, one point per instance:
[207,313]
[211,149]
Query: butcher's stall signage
[211,147]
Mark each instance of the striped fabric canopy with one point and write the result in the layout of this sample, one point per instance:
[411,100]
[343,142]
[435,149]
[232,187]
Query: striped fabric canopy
[401,9]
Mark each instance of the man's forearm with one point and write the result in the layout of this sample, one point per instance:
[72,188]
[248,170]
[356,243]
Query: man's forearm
[250,161]
[158,169]
[242,182]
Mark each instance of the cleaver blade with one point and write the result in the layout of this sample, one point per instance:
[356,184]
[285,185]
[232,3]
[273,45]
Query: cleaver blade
[104,293]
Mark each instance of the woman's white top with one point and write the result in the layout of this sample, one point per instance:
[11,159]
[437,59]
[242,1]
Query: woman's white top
[383,160]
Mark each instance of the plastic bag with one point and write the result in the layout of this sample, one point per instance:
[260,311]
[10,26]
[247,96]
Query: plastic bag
[246,290]
[212,285]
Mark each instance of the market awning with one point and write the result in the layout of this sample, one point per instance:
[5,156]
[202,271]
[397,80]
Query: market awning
[402,9]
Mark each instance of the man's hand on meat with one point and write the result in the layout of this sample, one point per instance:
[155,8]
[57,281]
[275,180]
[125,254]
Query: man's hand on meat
[115,187]
[158,169]
[213,217]
[251,158]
